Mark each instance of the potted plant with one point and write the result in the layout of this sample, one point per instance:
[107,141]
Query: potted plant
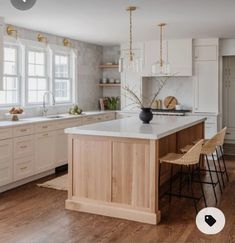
[111,103]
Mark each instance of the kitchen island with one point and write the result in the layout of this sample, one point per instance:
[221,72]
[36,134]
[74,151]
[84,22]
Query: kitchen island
[114,165]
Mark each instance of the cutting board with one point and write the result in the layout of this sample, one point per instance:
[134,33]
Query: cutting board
[170,102]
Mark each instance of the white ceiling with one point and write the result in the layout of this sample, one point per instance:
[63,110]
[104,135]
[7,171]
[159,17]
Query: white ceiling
[106,21]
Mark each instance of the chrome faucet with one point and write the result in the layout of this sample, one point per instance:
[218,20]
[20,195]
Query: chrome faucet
[45,110]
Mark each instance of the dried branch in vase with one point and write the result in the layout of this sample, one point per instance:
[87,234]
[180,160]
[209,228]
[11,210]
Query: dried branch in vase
[140,101]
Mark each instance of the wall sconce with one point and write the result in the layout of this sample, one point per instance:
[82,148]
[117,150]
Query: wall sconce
[11,31]
[41,38]
[67,42]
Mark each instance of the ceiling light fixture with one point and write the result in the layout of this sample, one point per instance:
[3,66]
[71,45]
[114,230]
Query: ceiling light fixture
[130,59]
[161,67]
[23,4]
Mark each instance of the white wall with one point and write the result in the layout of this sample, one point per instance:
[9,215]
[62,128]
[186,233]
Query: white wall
[88,72]
[180,87]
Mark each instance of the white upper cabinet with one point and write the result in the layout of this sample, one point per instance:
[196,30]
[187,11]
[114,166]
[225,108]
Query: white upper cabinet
[178,53]
[152,55]
[180,57]
[206,76]
[1,53]
[205,53]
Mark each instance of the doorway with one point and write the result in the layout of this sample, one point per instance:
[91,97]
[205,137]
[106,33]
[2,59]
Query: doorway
[229,103]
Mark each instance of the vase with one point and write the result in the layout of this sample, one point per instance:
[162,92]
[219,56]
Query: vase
[146,115]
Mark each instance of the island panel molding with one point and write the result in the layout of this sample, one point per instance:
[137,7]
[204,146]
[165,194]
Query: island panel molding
[119,177]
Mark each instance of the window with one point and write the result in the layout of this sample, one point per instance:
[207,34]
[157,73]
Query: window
[37,82]
[62,81]
[10,94]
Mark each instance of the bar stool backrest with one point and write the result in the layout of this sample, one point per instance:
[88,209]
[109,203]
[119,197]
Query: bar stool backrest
[193,155]
[210,145]
[221,136]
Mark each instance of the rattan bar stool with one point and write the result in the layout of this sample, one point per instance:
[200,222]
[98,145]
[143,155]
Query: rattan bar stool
[219,149]
[188,159]
[208,149]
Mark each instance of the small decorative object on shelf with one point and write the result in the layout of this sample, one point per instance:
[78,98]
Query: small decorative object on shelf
[15,113]
[145,105]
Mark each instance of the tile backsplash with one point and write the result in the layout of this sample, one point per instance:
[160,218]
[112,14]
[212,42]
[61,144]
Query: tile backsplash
[180,87]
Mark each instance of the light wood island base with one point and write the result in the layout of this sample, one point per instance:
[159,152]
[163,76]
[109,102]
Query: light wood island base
[118,177]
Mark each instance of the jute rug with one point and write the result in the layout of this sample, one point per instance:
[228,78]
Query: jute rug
[59,183]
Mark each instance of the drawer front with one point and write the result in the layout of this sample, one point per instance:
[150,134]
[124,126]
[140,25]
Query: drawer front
[210,130]
[23,131]
[211,119]
[5,133]
[89,120]
[109,117]
[23,146]
[45,127]
[69,123]
[5,150]
[23,168]
[6,172]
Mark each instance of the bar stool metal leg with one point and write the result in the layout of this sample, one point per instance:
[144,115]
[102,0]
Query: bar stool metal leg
[171,179]
[203,193]
[191,187]
[221,172]
[212,182]
[226,172]
[180,187]
[217,174]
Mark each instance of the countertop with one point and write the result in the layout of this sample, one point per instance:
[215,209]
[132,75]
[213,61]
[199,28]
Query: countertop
[25,121]
[132,127]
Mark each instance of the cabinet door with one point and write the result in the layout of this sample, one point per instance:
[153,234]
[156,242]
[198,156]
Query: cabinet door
[1,53]
[6,162]
[152,55]
[206,87]
[61,148]
[45,151]
[180,57]
[205,53]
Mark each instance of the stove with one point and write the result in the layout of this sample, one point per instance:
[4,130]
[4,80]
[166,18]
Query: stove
[167,112]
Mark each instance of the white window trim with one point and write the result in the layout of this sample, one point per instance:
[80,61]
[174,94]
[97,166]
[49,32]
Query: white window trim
[68,54]
[13,44]
[23,46]
[36,48]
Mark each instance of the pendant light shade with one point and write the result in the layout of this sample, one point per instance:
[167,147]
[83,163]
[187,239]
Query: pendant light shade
[130,59]
[23,4]
[161,67]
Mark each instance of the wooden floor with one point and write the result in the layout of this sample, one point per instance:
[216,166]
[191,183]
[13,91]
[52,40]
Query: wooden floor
[30,214]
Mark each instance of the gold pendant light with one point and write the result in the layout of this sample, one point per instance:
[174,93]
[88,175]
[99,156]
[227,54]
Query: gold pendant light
[130,61]
[161,67]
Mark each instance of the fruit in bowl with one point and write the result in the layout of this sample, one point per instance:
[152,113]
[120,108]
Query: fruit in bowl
[75,110]
[16,111]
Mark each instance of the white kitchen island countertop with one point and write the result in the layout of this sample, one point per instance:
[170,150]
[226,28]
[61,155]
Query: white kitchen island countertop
[132,127]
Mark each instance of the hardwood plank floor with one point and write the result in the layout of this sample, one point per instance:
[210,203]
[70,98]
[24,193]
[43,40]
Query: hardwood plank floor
[30,214]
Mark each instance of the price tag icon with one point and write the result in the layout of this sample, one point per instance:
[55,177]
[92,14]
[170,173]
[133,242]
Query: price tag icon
[210,220]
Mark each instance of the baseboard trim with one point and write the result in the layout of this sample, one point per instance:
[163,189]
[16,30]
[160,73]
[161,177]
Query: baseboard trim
[115,212]
[25,181]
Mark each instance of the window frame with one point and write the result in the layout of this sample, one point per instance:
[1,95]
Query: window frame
[70,72]
[27,76]
[18,74]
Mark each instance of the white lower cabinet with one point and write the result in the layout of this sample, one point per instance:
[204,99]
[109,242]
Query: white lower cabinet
[6,162]
[31,149]
[61,148]
[23,167]
[45,151]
